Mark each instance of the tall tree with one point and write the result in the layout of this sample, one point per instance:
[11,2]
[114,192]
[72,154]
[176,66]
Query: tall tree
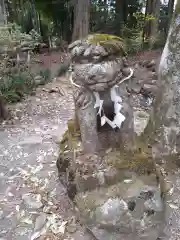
[170,13]
[3,110]
[3,17]
[81,19]
[166,125]
[155,21]
[120,15]
[151,26]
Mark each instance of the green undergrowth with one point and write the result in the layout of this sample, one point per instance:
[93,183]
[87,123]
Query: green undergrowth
[16,83]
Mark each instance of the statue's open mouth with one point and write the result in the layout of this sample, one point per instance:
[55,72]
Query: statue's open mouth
[119,118]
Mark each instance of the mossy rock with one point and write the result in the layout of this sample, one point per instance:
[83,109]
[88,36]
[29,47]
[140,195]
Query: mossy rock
[98,45]
[71,138]
[136,161]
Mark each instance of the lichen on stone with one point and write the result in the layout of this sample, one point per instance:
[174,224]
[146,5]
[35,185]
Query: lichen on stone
[71,137]
[136,161]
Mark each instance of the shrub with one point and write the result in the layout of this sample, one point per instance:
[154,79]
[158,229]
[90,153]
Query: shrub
[14,85]
[45,75]
[12,37]
[132,40]
[18,82]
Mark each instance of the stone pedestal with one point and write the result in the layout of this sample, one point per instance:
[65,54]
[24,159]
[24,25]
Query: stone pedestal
[117,196]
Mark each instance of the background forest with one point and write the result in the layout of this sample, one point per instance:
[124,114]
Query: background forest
[29,28]
[141,23]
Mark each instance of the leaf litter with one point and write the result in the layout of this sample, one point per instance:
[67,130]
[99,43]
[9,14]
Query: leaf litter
[44,219]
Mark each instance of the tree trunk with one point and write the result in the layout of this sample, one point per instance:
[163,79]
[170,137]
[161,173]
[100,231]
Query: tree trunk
[121,15]
[81,19]
[3,17]
[146,24]
[151,26]
[35,16]
[170,13]
[3,111]
[154,22]
[166,125]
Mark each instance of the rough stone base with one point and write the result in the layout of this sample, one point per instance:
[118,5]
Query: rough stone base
[116,198]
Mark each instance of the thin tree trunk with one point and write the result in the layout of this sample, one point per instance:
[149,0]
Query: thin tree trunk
[121,12]
[154,22]
[81,19]
[146,24]
[151,26]
[35,15]
[170,13]
[3,17]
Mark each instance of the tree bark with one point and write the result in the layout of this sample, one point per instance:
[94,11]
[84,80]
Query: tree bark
[146,24]
[3,111]
[3,17]
[151,26]
[165,124]
[170,13]
[121,15]
[81,19]
[154,22]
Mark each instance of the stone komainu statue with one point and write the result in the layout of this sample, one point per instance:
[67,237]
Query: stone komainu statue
[99,69]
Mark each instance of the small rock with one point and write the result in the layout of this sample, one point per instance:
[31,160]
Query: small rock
[149,88]
[101,178]
[71,228]
[1,214]
[153,69]
[31,140]
[141,120]
[144,63]
[151,64]
[126,71]
[146,194]
[40,222]
[155,203]
[136,65]
[38,79]
[56,90]
[111,211]
[134,89]
[32,200]
[154,75]
[150,212]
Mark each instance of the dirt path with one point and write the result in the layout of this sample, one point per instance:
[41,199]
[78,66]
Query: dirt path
[31,198]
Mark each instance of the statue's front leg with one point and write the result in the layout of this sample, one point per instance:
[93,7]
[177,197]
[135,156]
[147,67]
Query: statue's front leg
[87,117]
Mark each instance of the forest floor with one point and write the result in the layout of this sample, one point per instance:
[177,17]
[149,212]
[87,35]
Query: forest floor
[33,203]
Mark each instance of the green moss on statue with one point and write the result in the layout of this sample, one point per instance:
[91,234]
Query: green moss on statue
[138,161]
[71,137]
[97,45]
[111,43]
